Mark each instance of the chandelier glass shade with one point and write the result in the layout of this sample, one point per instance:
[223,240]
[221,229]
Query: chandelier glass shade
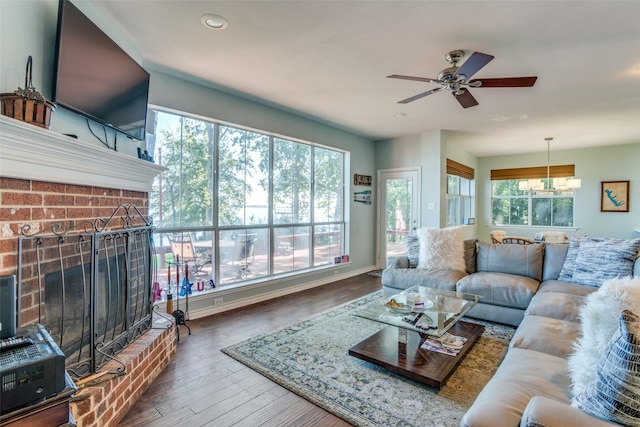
[557,185]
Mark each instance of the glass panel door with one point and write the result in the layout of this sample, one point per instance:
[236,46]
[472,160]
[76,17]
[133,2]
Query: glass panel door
[398,208]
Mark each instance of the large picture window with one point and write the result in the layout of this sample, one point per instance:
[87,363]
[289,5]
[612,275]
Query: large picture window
[546,207]
[240,206]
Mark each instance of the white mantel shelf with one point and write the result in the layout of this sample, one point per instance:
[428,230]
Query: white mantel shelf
[34,153]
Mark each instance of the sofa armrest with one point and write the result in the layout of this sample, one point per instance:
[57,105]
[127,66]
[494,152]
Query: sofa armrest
[401,261]
[545,412]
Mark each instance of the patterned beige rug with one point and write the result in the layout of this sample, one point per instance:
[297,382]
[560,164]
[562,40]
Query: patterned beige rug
[310,358]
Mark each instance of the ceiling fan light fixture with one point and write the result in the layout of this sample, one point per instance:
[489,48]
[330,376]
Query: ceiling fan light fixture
[214,22]
[453,77]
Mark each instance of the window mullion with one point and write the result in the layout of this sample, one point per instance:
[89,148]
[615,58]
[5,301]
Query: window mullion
[312,207]
[270,198]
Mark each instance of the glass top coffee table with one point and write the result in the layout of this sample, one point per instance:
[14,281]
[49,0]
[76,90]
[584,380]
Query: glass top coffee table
[412,316]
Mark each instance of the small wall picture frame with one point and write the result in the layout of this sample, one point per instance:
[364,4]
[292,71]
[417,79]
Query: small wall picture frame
[614,196]
[361,179]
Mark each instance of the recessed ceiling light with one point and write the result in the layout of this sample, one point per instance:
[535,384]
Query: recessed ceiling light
[215,22]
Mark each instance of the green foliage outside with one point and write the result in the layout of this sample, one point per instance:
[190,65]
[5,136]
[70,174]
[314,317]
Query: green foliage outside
[512,206]
[184,195]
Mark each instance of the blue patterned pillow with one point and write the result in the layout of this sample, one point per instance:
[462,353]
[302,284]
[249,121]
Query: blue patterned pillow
[615,393]
[599,261]
[413,250]
[569,265]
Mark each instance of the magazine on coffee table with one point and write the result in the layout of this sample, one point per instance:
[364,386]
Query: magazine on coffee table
[447,344]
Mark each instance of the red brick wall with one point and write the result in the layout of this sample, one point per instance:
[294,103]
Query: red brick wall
[39,205]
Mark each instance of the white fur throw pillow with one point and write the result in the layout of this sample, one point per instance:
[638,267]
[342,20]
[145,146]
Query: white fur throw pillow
[441,249]
[600,318]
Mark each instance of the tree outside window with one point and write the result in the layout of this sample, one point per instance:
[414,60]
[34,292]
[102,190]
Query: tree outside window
[250,204]
[512,206]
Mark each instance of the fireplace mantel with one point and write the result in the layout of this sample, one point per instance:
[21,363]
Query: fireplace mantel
[33,153]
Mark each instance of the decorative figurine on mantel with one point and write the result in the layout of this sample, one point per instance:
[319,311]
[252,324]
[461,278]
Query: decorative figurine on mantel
[27,104]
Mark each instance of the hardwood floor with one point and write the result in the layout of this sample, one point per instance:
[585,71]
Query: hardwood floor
[202,386]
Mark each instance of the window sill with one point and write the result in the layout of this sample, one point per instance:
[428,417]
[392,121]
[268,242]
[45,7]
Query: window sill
[531,227]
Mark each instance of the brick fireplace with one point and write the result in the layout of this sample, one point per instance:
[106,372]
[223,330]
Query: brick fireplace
[47,178]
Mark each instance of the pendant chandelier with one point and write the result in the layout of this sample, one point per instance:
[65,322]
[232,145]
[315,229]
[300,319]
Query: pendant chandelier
[559,184]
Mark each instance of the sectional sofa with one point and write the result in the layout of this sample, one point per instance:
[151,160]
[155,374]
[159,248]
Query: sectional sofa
[530,287]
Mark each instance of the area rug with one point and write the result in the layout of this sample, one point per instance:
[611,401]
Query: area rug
[310,359]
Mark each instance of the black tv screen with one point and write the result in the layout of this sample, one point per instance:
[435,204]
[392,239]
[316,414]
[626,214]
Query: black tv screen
[95,77]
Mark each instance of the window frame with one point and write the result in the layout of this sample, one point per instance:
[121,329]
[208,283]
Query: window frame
[531,197]
[465,176]
[214,229]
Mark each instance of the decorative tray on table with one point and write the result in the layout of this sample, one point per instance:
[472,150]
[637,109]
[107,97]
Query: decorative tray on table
[398,307]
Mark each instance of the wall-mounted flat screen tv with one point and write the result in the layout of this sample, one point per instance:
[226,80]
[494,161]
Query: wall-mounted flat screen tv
[95,77]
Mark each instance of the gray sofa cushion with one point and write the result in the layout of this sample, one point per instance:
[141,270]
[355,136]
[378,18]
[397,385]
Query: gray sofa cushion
[518,379]
[556,305]
[401,261]
[565,287]
[546,335]
[524,260]
[554,255]
[404,278]
[542,411]
[500,288]
[497,313]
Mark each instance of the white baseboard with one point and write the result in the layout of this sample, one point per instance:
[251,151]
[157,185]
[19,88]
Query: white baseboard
[265,296]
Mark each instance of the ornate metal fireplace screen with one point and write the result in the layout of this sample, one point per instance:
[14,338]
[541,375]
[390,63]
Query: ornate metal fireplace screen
[90,285]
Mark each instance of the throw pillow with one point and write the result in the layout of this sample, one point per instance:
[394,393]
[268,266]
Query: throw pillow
[470,255]
[569,265]
[413,250]
[441,249]
[600,261]
[615,393]
[598,326]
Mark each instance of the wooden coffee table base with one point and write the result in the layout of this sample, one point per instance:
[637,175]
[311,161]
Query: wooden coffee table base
[429,367]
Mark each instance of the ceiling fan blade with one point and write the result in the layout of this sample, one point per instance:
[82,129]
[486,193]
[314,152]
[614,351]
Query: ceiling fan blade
[421,95]
[504,82]
[465,98]
[472,65]
[418,79]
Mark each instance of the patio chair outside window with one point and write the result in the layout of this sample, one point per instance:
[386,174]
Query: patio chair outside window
[243,254]
[182,246]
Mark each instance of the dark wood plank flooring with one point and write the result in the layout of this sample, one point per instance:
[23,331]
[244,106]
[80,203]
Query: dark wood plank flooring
[202,386]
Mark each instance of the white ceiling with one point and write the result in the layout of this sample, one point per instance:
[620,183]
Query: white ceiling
[328,60]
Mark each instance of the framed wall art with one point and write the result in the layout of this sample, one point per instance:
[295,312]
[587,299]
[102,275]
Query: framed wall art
[361,179]
[614,196]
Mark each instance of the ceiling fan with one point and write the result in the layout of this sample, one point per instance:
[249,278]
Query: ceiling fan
[456,79]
